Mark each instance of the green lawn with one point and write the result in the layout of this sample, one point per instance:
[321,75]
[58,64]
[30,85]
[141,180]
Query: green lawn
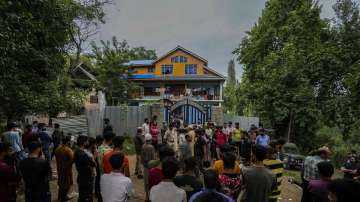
[295,175]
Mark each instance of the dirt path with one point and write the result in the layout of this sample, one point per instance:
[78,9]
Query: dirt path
[290,192]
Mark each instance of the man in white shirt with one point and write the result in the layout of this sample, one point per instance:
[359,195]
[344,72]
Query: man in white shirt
[116,187]
[166,190]
[145,126]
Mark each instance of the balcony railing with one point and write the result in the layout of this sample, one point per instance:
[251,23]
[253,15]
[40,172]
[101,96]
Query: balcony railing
[177,97]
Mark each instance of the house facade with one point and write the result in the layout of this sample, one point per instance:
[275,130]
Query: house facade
[181,82]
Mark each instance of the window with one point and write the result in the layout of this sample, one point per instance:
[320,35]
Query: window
[190,69]
[179,59]
[151,69]
[167,69]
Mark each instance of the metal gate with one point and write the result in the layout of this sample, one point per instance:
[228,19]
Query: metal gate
[189,111]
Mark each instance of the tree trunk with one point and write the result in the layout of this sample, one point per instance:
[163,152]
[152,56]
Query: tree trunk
[291,118]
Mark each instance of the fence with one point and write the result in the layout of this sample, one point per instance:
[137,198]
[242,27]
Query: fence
[245,122]
[126,119]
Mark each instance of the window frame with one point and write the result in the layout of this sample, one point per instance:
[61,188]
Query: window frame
[152,70]
[190,68]
[165,67]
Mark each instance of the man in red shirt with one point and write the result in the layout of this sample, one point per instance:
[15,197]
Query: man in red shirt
[118,142]
[8,177]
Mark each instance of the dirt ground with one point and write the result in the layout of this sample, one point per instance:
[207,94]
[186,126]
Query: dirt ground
[289,192]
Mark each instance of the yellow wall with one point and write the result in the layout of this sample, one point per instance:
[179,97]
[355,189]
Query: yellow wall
[140,70]
[179,68]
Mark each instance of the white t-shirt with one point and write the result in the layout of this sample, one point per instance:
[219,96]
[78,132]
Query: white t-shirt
[115,187]
[145,128]
[167,192]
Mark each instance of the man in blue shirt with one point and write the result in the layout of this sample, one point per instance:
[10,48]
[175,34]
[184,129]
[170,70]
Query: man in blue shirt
[12,137]
[211,182]
[262,139]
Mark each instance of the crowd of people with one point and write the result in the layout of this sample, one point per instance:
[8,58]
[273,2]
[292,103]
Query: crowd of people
[177,163]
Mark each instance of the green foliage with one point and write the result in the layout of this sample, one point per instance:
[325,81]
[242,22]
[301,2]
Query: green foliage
[113,75]
[230,94]
[35,41]
[301,72]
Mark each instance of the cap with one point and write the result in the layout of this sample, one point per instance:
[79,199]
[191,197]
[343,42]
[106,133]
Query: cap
[148,137]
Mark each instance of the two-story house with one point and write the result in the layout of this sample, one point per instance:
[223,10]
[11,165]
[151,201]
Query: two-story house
[181,77]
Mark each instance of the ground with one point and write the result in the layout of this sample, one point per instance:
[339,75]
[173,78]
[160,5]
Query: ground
[290,192]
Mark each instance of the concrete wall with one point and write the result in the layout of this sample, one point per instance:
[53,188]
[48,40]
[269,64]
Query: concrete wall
[245,122]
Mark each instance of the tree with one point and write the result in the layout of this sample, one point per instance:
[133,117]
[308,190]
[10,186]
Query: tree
[230,94]
[88,15]
[33,35]
[113,75]
[279,69]
[34,45]
[301,72]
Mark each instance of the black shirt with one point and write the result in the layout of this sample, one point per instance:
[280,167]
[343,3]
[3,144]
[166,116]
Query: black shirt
[351,166]
[84,166]
[36,173]
[188,183]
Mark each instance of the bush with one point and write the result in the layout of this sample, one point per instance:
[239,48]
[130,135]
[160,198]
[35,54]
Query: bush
[333,138]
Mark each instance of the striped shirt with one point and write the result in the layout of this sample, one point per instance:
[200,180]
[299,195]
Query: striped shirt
[277,168]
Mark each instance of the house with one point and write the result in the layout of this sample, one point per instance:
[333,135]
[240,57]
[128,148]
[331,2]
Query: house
[182,81]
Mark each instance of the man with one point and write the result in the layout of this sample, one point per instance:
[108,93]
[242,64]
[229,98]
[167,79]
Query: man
[36,173]
[277,168]
[258,180]
[148,153]
[318,188]
[118,142]
[64,161]
[99,141]
[188,181]
[166,190]
[171,138]
[115,186]
[12,137]
[262,139]
[34,128]
[145,126]
[200,148]
[45,140]
[85,165]
[105,147]
[107,126]
[230,130]
[310,170]
[211,183]
[28,136]
[57,136]
[185,149]
[138,142]
[350,167]
[8,176]
[236,137]
[191,132]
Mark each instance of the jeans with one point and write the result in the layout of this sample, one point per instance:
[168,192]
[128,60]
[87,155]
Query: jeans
[306,193]
[86,190]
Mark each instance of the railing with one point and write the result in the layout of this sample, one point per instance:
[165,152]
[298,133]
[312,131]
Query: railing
[178,97]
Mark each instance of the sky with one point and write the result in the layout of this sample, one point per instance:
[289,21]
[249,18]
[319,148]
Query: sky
[210,28]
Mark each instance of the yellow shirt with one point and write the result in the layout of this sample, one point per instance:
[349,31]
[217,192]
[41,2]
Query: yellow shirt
[219,167]
[236,137]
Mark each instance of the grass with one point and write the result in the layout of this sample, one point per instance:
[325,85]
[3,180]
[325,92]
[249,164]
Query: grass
[296,176]
[129,147]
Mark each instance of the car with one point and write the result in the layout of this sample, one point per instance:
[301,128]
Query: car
[292,157]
